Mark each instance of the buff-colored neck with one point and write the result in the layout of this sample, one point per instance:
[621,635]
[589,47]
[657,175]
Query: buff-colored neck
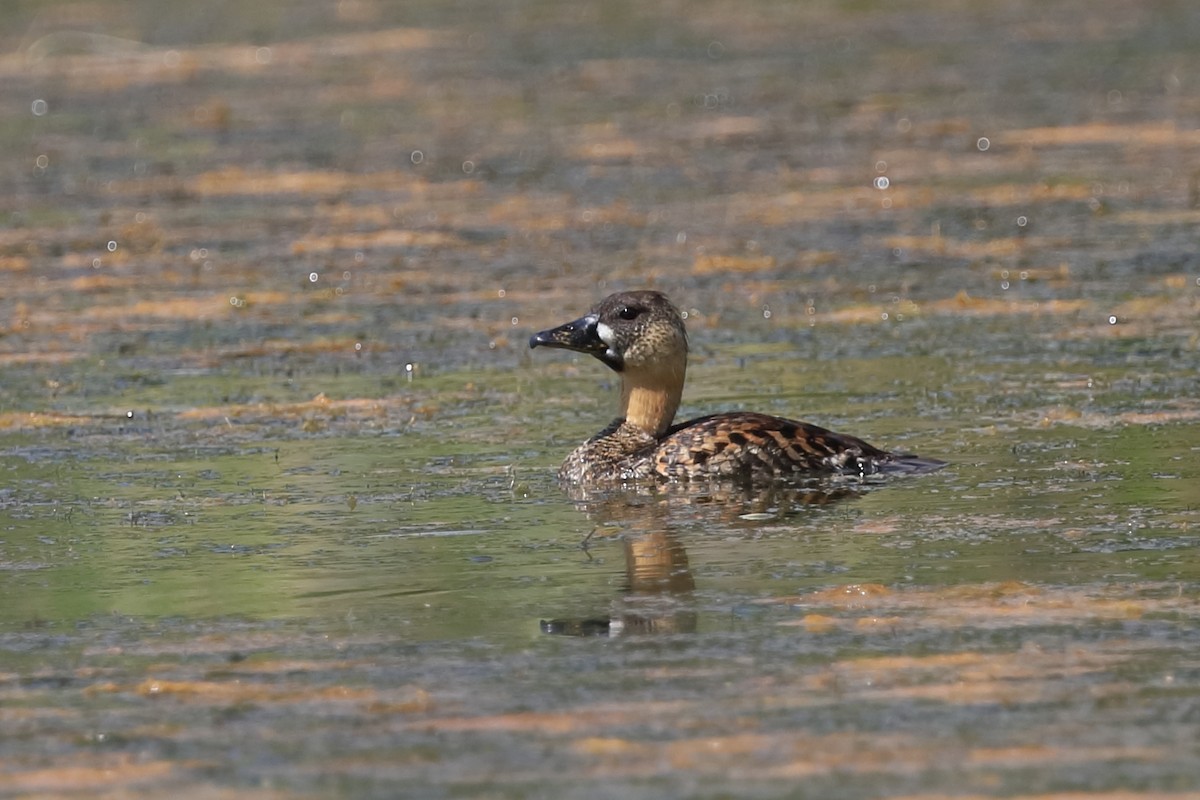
[649,399]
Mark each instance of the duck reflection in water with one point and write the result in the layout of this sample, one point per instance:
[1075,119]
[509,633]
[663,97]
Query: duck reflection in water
[658,575]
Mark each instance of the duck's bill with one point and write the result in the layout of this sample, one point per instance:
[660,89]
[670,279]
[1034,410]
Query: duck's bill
[584,335]
[579,335]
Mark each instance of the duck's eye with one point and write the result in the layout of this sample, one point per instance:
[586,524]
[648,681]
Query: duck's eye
[629,312]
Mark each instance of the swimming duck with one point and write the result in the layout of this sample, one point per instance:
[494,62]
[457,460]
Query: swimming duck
[641,336]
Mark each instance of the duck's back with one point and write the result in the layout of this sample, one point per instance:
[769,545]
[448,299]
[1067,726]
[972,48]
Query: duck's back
[749,446]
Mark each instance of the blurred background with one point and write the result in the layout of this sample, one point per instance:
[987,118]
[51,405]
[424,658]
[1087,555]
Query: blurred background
[191,181]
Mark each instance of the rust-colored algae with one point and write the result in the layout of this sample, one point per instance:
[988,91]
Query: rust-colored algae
[819,623]
[237,692]
[1145,134]
[104,773]
[557,723]
[714,263]
[793,755]
[34,420]
[852,594]
[1095,795]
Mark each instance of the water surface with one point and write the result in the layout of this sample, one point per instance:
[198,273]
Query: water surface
[277,509]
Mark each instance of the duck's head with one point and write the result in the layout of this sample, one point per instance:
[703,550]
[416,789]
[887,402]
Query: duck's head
[631,332]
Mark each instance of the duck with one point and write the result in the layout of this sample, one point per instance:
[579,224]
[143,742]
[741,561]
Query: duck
[641,336]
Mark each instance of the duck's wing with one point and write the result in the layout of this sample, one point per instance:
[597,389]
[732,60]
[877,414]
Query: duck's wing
[754,446]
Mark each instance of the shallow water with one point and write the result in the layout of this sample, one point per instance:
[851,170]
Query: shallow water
[277,507]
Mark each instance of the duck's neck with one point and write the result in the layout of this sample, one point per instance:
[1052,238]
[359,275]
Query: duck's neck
[650,400]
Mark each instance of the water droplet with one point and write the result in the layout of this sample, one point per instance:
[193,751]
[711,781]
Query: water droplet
[884,316]
[983,144]
[515,320]
[128,415]
[1022,221]
[358,347]
[313,277]
[39,107]
[417,157]
[766,313]
[881,166]
[501,293]
[263,55]
[112,247]
[42,161]
[96,263]
[715,49]
[1004,285]
[468,167]
[1112,320]
[346,275]
[359,257]
[882,182]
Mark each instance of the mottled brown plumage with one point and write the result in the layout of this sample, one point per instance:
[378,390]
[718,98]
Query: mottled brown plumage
[641,336]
